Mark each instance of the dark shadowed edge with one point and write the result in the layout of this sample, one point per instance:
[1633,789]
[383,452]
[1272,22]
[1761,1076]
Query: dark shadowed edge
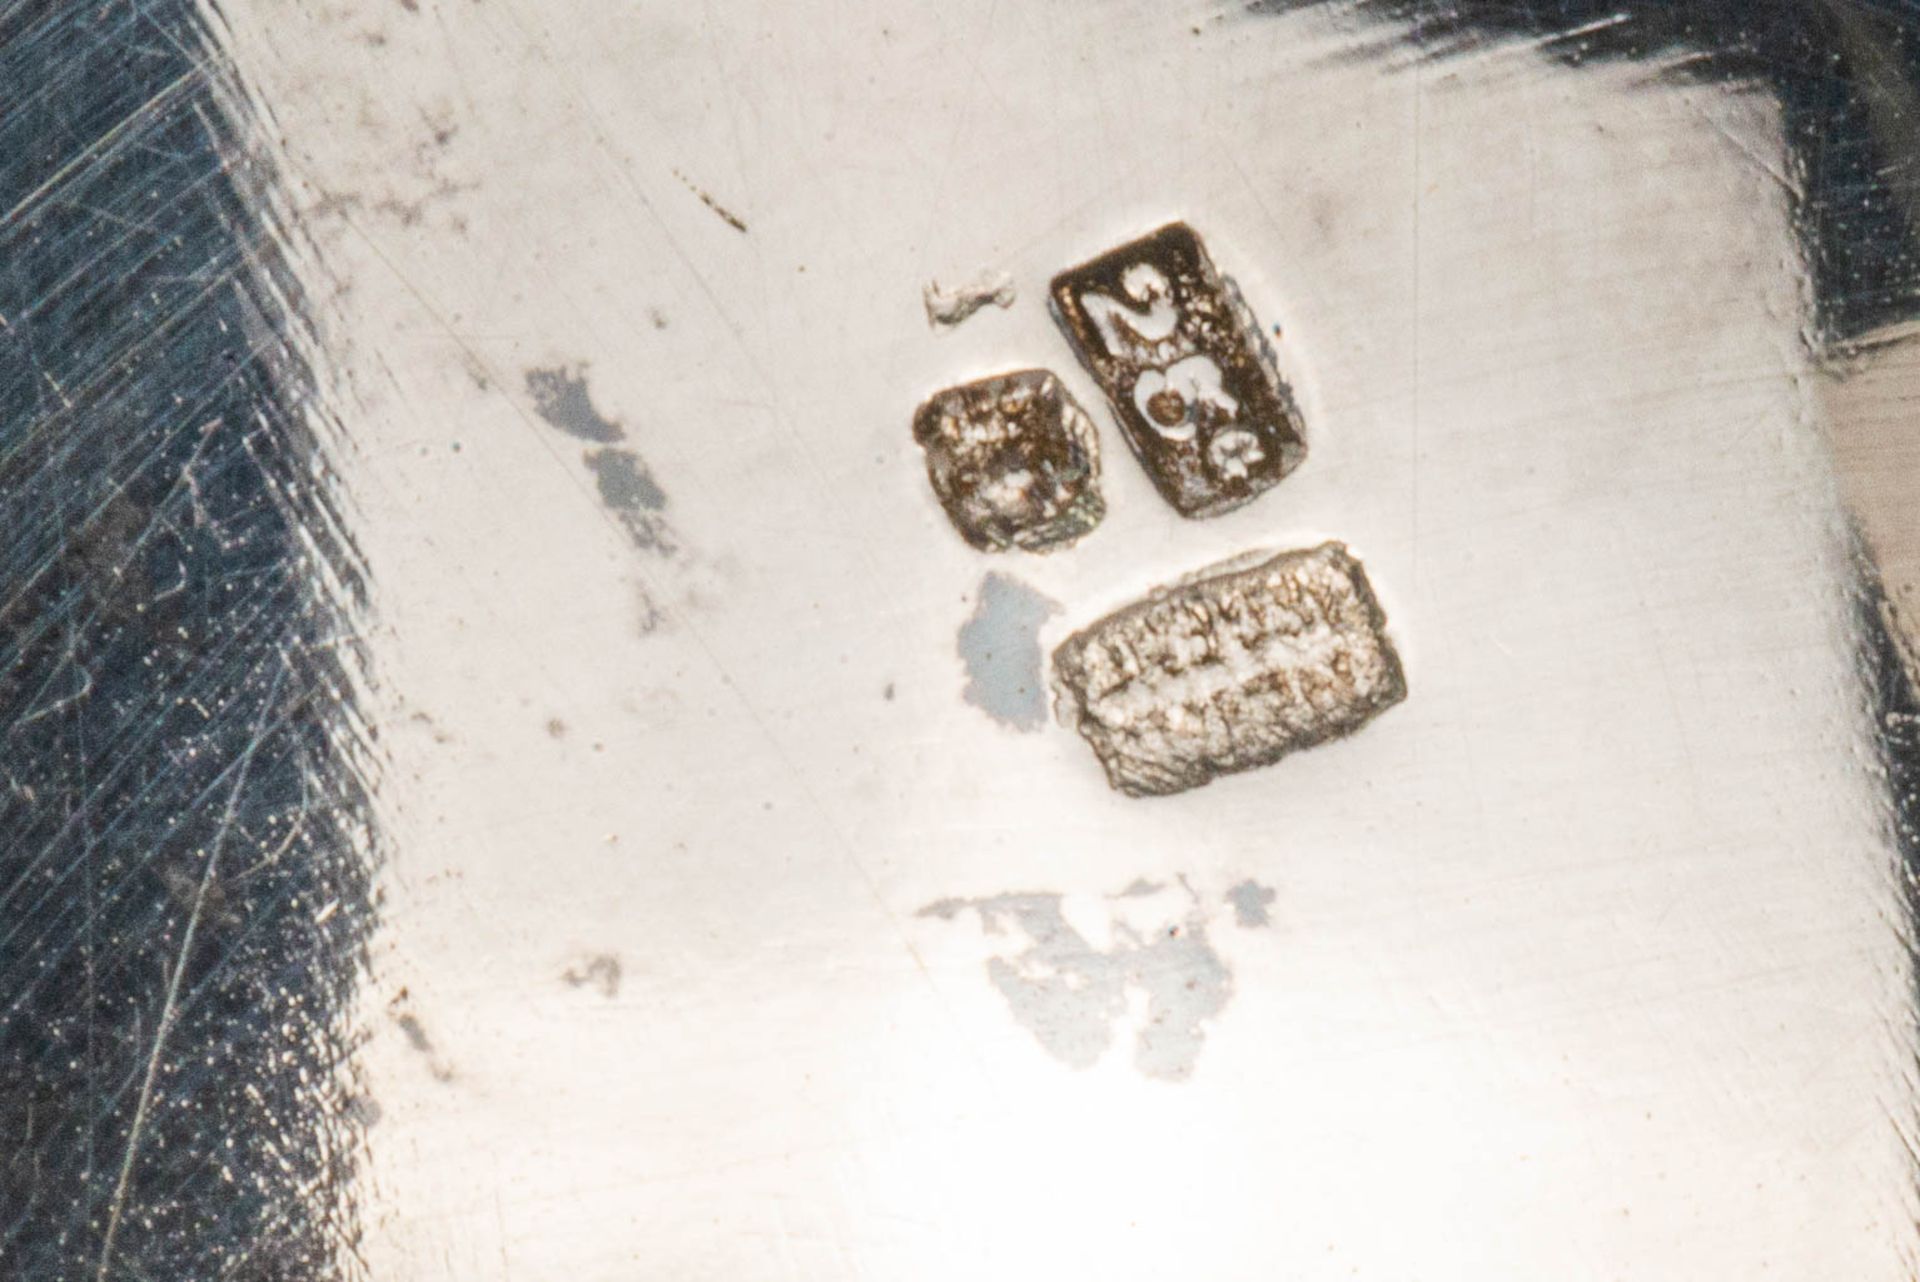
[1892,679]
[1846,73]
[186,839]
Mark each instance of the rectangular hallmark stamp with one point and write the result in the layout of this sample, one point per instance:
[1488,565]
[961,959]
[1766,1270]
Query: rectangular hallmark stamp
[1014,461]
[1186,368]
[1230,671]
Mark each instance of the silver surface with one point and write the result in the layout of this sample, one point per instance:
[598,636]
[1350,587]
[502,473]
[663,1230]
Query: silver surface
[687,879]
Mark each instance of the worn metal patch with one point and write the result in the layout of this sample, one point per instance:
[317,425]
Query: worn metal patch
[1186,369]
[1230,671]
[1013,460]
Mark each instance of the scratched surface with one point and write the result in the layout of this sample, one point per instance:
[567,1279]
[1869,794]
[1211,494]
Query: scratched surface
[510,774]
[185,866]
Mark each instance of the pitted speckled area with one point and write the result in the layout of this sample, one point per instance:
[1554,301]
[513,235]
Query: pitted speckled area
[187,840]
[1014,461]
[1230,672]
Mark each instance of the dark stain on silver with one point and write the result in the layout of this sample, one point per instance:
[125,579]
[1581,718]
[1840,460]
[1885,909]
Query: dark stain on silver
[1072,996]
[626,485]
[1186,369]
[186,836]
[415,1033]
[1014,461]
[1230,671]
[417,1039]
[560,397]
[601,971]
[1000,646]
[1252,904]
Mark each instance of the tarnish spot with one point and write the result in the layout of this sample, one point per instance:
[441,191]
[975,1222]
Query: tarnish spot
[560,397]
[1000,646]
[400,1010]
[601,971]
[1229,672]
[1252,904]
[626,485]
[1074,997]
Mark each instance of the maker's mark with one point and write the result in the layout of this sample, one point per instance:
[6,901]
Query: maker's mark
[1230,671]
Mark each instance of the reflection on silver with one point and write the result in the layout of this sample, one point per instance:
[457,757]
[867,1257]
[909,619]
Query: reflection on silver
[1601,938]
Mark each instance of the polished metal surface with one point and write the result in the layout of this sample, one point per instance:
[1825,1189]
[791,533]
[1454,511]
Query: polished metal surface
[511,774]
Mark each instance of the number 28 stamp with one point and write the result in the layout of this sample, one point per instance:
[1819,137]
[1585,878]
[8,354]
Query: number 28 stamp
[1185,367]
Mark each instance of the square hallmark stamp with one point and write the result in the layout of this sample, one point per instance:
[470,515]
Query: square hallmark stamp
[1186,369]
[1014,461]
